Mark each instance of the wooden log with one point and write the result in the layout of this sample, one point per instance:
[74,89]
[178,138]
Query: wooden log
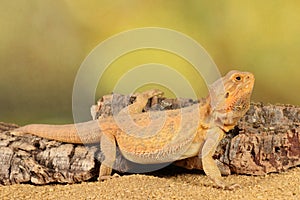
[30,159]
[265,140]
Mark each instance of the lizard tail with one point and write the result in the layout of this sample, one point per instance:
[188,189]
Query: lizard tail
[81,133]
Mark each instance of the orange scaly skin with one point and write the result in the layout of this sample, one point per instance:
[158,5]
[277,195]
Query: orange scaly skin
[163,136]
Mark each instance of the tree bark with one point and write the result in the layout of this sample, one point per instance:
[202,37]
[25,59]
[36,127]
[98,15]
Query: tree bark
[265,140]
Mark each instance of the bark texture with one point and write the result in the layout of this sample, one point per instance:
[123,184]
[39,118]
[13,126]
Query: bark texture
[266,140]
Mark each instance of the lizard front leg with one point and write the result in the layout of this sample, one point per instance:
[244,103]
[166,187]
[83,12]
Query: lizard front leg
[213,137]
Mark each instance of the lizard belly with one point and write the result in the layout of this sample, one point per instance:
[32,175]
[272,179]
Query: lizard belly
[163,155]
[192,151]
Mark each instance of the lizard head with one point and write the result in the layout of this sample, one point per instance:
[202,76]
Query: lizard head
[230,97]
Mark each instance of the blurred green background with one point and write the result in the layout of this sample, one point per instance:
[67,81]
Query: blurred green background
[43,43]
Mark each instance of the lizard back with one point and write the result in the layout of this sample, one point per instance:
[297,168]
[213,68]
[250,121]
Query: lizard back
[167,136]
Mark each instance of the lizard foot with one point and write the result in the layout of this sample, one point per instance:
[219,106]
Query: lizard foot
[150,93]
[106,177]
[232,186]
[94,110]
[229,186]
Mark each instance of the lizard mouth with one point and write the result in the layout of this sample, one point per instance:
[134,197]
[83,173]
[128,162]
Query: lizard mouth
[249,81]
[249,84]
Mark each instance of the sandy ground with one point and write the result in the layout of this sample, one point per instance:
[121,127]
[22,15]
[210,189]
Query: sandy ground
[284,185]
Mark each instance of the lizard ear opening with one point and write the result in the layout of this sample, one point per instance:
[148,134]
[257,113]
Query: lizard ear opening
[226,95]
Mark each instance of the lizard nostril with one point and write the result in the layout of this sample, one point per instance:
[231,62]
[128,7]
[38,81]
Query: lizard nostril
[249,76]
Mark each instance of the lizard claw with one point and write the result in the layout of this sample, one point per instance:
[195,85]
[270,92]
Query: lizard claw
[230,186]
[102,178]
[152,93]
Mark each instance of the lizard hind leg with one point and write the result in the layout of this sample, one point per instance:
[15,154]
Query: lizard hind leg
[141,100]
[108,147]
[108,141]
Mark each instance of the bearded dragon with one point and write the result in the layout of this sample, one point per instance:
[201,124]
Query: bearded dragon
[162,136]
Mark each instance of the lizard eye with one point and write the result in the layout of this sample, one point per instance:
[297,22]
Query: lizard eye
[238,78]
